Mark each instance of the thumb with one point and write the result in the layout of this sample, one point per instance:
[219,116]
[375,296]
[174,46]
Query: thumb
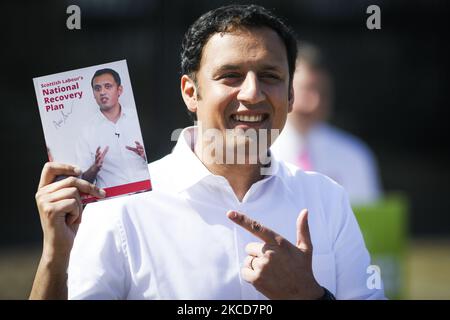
[303,237]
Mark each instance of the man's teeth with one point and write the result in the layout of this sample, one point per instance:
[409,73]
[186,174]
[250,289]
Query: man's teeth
[252,118]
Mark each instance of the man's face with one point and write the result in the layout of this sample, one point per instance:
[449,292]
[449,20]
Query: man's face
[106,91]
[243,82]
[311,89]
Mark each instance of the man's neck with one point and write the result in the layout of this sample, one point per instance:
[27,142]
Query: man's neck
[113,114]
[240,176]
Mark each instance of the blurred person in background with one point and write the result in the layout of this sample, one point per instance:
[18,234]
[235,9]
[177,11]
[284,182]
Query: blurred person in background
[309,142]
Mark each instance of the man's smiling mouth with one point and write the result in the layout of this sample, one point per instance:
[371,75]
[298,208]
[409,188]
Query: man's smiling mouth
[249,118]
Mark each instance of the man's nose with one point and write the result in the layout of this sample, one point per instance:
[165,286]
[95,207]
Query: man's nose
[250,91]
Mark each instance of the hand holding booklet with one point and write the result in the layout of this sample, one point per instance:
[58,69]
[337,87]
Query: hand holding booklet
[90,120]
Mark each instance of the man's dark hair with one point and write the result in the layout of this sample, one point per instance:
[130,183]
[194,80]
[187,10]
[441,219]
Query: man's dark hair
[228,19]
[106,71]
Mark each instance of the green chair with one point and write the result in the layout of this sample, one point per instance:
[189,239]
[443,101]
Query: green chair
[384,225]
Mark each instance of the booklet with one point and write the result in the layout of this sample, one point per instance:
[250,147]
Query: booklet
[90,120]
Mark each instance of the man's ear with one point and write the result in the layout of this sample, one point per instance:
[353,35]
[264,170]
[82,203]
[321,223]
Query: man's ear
[120,90]
[189,93]
[291,98]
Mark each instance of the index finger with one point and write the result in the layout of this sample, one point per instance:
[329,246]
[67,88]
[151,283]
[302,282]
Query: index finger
[81,184]
[131,148]
[53,169]
[265,234]
[105,151]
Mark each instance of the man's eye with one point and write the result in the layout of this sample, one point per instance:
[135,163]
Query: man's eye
[230,75]
[270,76]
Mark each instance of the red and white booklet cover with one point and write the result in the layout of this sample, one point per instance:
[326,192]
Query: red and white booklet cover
[90,120]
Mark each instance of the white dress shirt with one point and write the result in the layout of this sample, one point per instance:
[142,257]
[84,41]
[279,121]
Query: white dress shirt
[176,242]
[120,166]
[336,154]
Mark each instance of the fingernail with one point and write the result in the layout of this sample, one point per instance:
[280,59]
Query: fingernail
[102,192]
[233,215]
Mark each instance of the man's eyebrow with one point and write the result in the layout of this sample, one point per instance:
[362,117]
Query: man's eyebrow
[231,67]
[227,67]
[103,83]
[271,67]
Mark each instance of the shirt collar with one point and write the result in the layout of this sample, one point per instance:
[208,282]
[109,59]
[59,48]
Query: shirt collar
[188,168]
[101,116]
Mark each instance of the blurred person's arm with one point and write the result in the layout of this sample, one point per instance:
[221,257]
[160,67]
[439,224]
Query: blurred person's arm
[60,208]
[364,185]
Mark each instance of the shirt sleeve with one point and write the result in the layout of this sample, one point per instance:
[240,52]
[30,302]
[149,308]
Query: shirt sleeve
[98,260]
[353,271]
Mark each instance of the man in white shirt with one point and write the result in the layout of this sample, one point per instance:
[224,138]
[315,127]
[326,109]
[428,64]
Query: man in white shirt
[212,229]
[310,143]
[110,149]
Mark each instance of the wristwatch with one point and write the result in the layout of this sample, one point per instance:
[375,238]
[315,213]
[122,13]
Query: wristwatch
[327,295]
